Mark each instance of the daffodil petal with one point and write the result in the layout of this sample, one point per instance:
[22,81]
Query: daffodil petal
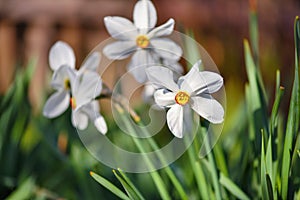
[213,81]
[120,28]
[61,54]
[163,30]
[200,82]
[140,60]
[209,108]
[56,104]
[175,120]
[80,120]
[91,63]
[166,48]
[164,98]
[162,77]
[100,125]
[144,15]
[87,89]
[119,50]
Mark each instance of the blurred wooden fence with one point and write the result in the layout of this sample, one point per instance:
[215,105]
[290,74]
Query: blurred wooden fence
[28,28]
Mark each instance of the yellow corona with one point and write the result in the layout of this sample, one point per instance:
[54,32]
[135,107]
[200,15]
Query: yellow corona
[142,41]
[182,98]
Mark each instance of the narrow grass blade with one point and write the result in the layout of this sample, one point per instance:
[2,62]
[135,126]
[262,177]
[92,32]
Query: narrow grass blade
[24,191]
[232,187]
[293,118]
[129,190]
[254,40]
[269,186]
[198,173]
[270,177]
[213,170]
[130,184]
[256,89]
[220,159]
[192,53]
[279,91]
[253,29]
[264,187]
[108,185]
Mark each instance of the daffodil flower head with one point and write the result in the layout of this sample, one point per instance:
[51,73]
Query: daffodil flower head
[62,62]
[75,88]
[191,92]
[141,40]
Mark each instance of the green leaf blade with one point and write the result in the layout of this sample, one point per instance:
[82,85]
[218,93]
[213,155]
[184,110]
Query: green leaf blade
[108,185]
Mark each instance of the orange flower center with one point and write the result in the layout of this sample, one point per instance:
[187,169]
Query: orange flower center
[73,103]
[182,98]
[142,41]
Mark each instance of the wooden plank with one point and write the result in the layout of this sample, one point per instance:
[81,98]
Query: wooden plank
[7,54]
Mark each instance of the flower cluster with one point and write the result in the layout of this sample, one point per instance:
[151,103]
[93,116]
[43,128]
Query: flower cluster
[154,61]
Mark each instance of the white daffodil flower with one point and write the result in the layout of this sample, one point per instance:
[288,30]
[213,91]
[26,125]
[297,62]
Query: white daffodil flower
[62,62]
[192,91]
[141,39]
[84,90]
[76,87]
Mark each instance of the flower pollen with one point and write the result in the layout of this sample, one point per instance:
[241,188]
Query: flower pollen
[142,41]
[182,98]
[73,103]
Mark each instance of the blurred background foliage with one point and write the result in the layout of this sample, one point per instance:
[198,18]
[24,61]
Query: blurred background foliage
[257,154]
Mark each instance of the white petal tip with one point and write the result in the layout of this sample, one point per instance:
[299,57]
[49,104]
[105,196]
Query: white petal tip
[47,114]
[107,18]
[100,125]
[171,20]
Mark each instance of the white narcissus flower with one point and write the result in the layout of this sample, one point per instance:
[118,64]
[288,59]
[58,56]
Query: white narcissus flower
[78,87]
[62,62]
[141,39]
[192,91]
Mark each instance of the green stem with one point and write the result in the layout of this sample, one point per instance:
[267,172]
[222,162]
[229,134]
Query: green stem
[168,170]
[198,172]
[213,171]
[155,176]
